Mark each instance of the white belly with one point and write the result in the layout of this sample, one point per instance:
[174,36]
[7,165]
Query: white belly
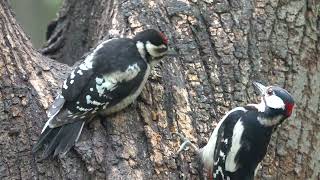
[128,100]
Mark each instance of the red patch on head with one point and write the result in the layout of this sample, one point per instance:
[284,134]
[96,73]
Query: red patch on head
[289,108]
[164,38]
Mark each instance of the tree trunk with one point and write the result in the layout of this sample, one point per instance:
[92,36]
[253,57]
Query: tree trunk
[223,46]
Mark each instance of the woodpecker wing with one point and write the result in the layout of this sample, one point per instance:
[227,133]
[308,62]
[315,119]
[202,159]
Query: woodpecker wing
[85,71]
[253,144]
[54,109]
[223,141]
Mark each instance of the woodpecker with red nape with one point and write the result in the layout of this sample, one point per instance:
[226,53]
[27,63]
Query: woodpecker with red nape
[240,140]
[109,79]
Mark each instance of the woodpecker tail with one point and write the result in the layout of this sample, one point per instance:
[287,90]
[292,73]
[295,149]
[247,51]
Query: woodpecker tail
[59,140]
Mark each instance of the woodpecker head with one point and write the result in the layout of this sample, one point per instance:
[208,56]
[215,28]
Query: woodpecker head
[152,44]
[276,101]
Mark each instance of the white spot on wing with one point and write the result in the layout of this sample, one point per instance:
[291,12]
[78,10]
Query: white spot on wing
[72,81]
[79,72]
[84,67]
[231,164]
[88,97]
[91,89]
[83,109]
[87,63]
[105,106]
[65,86]
[99,80]
[221,154]
[111,80]
[72,75]
[106,85]
[89,101]
[131,72]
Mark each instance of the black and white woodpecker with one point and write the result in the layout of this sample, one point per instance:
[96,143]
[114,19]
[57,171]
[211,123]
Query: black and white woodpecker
[108,80]
[240,140]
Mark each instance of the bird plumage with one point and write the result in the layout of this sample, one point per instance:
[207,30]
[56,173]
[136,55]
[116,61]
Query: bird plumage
[108,80]
[240,145]
[240,140]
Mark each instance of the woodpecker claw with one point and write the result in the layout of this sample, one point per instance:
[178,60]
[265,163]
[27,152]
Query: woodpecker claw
[184,146]
[186,143]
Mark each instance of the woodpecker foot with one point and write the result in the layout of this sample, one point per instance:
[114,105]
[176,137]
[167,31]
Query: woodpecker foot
[186,143]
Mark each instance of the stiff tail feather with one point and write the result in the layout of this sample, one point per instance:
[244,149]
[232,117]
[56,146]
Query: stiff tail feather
[59,140]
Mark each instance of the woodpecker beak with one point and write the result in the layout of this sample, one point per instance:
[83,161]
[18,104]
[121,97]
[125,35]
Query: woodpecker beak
[172,53]
[261,88]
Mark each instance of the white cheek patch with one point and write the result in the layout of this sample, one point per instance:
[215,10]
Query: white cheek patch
[152,50]
[274,102]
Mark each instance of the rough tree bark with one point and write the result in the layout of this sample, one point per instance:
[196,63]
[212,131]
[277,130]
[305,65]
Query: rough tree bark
[223,46]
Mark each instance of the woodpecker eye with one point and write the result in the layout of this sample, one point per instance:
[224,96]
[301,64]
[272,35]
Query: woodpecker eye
[270,92]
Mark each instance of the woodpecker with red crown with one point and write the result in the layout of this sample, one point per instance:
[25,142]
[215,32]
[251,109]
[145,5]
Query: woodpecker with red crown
[108,80]
[240,140]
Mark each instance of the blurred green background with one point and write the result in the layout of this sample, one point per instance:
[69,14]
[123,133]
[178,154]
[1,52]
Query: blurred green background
[34,16]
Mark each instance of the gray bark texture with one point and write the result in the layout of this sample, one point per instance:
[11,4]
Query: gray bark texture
[223,46]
